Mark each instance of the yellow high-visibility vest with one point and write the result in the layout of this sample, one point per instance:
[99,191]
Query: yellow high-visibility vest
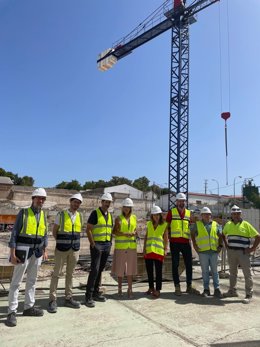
[180,227]
[31,226]
[66,225]
[154,238]
[68,235]
[125,242]
[204,240]
[103,229]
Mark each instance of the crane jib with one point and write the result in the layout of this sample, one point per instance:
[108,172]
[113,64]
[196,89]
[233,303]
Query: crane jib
[173,18]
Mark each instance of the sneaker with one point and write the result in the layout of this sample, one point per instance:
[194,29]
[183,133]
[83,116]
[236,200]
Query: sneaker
[217,293]
[99,297]
[247,299]
[72,303]
[230,294]
[52,307]
[33,311]
[177,290]
[191,290]
[205,293]
[89,302]
[11,320]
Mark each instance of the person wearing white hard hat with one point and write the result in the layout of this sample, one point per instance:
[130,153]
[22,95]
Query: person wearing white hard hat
[178,219]
[99,233]
[155,249]
[28,246]
[125,255]
[207,242]
[66,231]
[238,234]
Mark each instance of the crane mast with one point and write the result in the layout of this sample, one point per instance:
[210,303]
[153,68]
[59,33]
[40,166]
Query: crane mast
[177,17]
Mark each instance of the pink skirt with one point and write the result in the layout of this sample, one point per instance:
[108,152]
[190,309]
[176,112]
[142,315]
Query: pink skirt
[124,262]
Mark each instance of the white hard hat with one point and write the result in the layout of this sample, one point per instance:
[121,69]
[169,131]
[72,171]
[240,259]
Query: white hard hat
[235,209]
[155,210]
[127,203]
[205,210]
[39,192]
[180,196]
[77,196]
[107,197]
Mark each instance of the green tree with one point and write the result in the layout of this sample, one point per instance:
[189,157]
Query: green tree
[89,185]
[156,189]
[74,185]
[251,192]
[141,183]
[27,181]
[62,185]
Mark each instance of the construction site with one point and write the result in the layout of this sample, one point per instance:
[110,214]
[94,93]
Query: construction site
[187,320]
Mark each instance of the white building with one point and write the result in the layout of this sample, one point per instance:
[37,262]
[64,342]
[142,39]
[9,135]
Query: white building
[125,189]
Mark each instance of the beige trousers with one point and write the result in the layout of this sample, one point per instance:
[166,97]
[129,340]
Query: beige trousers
[71,258]
[235,258]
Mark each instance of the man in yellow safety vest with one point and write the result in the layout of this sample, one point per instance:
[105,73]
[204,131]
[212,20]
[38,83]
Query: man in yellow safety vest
[66,231]
[28,245]
[99,232]
[237,235]
[207,242]
[178,219]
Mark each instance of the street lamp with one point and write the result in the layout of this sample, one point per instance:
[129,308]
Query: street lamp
[235,185]
[213,179]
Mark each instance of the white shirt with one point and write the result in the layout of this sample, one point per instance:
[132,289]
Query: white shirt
[71,214]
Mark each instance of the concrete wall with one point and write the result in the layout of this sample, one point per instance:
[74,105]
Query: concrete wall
[58,199]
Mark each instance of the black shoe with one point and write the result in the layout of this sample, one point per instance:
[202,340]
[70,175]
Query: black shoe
[72,303]
[217,293]
[89,302]
[206,292]
[52,307]
[33,311]
[99,297]
[11,320]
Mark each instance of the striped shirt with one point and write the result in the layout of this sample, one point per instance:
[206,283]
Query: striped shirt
[239,234]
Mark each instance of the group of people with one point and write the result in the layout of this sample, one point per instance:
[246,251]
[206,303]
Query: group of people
[28,247]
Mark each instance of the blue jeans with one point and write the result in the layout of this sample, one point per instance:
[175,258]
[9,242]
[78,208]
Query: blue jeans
[209,260]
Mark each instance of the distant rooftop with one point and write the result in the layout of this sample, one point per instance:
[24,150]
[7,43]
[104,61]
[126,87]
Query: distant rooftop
[6,180]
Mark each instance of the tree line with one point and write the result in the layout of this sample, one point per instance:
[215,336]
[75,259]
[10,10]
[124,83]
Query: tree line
[19,181]
[141,183]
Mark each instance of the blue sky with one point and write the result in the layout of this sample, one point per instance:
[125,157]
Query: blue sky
[62,119]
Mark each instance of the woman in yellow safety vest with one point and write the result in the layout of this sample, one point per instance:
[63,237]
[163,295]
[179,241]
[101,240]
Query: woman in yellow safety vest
[155,249]
[125,256]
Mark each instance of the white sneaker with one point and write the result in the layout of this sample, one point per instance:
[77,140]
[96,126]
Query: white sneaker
[247,299]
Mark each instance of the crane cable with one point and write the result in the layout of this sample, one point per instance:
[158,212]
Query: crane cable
[221,74]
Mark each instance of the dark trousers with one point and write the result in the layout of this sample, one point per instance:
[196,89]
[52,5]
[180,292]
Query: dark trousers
[150,263]
[99,255]
[185,250]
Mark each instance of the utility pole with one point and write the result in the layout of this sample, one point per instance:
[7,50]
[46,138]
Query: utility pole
[205,186]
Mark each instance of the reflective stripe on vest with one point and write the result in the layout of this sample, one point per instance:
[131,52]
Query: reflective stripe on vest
[154,239]
[204,240]
[33,231]
[103,229]
[236,235]
[125,242]
[69,233]
[180,227]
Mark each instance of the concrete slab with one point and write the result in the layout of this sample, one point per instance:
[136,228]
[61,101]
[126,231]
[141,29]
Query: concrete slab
[184,321]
